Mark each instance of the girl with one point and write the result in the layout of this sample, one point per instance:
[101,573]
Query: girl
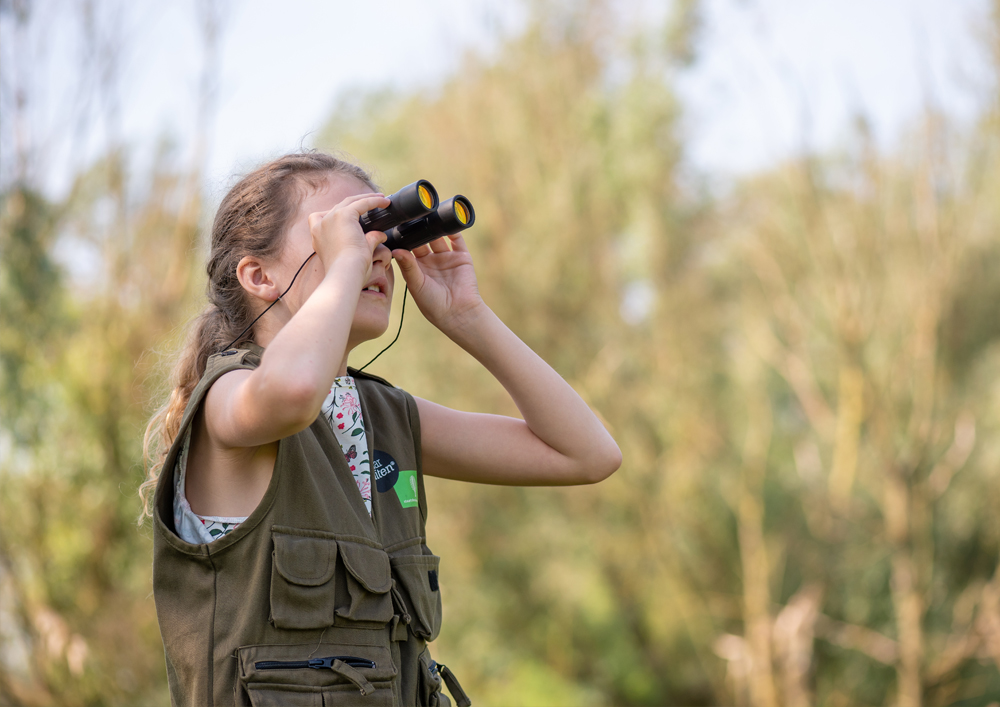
[290,564]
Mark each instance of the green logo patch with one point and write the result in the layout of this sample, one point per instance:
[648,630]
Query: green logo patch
[406,488]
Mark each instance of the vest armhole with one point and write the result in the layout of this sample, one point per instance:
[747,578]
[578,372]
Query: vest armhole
[414,417]
[217,366]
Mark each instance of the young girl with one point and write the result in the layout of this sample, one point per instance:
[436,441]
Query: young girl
[290,564]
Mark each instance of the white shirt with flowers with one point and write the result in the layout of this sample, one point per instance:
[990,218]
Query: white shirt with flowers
[342,408]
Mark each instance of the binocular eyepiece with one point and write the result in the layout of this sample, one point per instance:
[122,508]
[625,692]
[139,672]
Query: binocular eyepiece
[414,216]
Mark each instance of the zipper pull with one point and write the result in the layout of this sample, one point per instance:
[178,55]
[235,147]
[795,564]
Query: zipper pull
[353,661]
[349,671]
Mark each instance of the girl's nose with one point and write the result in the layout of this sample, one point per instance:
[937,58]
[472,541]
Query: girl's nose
[381,254]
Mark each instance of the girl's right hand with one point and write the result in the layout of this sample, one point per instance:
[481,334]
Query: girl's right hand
[337,233]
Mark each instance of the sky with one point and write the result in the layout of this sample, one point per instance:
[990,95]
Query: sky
[773,76]
[780,75]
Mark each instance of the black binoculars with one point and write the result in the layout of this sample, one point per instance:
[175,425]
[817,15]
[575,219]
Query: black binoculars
[414,216]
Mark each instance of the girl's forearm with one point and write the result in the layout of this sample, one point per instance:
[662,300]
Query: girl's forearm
[552,410]
[305,355]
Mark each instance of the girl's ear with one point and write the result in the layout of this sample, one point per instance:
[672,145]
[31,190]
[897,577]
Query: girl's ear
[256,279]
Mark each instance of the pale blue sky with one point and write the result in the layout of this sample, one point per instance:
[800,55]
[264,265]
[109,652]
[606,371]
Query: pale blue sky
[777,74]
[773,75]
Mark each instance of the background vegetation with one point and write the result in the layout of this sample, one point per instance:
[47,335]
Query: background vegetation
[803,374]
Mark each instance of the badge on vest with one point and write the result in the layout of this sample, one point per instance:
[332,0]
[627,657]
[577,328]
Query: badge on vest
[388,475]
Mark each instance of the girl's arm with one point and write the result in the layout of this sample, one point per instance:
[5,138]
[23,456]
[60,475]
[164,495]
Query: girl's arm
[285,393]
[559,441]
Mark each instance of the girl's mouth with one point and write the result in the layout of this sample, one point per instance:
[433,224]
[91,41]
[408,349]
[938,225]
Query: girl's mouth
[377,288]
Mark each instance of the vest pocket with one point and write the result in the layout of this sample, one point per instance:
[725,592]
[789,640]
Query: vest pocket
[302,593]
[369,580]
[417,576]
[429,683]
[317,582]
[313,674]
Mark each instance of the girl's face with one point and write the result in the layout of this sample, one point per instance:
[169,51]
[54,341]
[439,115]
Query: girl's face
[371,318]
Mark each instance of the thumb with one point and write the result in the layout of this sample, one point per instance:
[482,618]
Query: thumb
[408,266]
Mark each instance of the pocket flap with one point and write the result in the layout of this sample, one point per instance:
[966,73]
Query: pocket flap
[309,562]
[417,575]
[368,565]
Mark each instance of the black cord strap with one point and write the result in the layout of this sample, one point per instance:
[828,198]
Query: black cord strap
[272,303]
[402,311]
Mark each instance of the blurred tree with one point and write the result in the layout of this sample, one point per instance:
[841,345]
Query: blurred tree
[79,571]
[91,284]
[849,271]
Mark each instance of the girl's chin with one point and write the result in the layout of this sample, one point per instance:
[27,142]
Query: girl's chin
[371,319]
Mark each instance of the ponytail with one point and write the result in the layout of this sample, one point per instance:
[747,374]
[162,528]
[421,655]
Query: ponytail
[207,335]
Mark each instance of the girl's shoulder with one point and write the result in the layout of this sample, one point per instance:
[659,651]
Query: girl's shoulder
[246,356]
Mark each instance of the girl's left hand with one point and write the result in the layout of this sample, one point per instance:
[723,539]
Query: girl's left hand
[442,280]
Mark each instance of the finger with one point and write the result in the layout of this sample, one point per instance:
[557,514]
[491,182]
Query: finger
[316,218]
[421,251]
[458,243]
[376,238]
[440,245]
[353,207]
[356,197]
[364,203]
[408,266]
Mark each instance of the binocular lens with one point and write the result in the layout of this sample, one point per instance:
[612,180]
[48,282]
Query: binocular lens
[410,202]
[425,196]
[454,215]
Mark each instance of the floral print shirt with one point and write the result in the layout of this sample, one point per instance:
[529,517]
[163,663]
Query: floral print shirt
[342,408]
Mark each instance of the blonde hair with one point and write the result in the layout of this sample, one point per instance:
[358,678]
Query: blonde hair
[251,221]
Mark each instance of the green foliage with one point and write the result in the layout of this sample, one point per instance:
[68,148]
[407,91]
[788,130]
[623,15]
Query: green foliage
[31,290]
[77,571]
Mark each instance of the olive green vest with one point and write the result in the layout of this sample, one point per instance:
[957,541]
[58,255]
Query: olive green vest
[310,601]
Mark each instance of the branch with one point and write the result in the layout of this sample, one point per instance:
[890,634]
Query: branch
[858,638]
[956,456]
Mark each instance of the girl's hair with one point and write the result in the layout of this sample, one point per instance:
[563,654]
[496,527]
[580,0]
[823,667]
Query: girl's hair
[251,221]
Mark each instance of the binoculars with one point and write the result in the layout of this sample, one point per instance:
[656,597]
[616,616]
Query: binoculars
[414,216]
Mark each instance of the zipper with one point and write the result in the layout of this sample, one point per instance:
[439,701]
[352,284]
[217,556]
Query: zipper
[315,663]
